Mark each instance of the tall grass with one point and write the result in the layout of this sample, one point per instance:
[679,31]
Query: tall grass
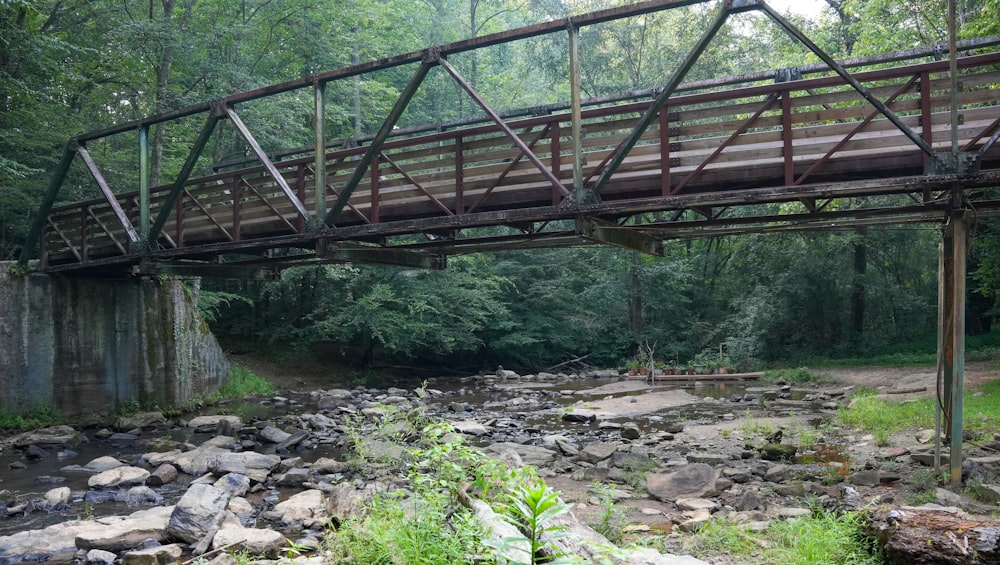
[243,383]
[825,538]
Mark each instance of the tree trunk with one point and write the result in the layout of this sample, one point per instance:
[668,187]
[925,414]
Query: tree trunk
[635,297]
[162,92]
[858,295]
[917,536]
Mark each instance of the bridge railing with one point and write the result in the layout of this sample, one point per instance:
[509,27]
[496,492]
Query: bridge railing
[781,134]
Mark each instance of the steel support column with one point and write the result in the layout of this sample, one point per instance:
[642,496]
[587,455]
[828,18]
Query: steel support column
[955,233]
[576,110]
[319,170]
[144,185]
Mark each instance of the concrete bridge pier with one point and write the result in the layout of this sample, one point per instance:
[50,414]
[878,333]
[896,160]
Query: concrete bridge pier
[89,346]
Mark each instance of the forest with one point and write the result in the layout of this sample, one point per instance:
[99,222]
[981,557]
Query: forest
[73,66]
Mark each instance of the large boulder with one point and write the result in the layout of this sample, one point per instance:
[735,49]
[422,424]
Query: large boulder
[95,466]
[120,534]
[303,510]
[212,423]
[140,421]
[198,513]
[347,501]
[256,542]
[529,454]
[158,555]
[256,466]
[597,451]
[691,481]
[55,435]
[119,477]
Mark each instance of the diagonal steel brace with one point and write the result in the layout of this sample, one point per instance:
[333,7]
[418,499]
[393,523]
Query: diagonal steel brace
[506,129]
[271,169]
[675,80]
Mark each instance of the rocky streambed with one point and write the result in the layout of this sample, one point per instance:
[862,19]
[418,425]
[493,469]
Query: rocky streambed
[273,474]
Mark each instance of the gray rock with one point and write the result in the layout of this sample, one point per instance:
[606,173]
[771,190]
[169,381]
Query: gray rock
[346,501]
[778,473]
[234,483]
[293,478]
[140,495]
[470,427]
[302,510]
[865,478]
[116,534]
[211,423]
[198,512]
[597,451]
[141,421]
[749,501]
[55,435]
[256,542]
[327,466]
[96,466]
[649,556]
[256,466]
[272,434]
[159,555]
[57,498]
[793,489]
[101,557]
[696,504]
[579,415]
[708,458]
[631,431]
[529,454]
[691,481]
[162,475]
[119,477]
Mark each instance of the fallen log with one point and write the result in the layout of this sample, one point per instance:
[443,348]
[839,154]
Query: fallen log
[934,535]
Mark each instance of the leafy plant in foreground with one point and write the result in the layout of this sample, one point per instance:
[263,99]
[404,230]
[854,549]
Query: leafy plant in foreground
[532,509]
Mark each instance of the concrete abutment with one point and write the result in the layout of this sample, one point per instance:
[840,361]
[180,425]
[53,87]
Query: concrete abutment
[88,346]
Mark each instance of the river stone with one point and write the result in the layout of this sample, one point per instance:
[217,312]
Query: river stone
[293,478]
[597,451]
[694,520]
[210,423]
[140,495]
[529,454]
[57,498]
[54,543]
[198,512]
[256,542]
[380,450]
[708,458]
[196,461]
[242,509]
[141,420]
[256,466]
[327,466]
[865,478]
[649,556]
[691,481]
[696,504]
[272,434]
[580,415]
[120,534]
[471,428]
[119,477]
[347,501]
[233,483]
[631,431]
[305,509]
[54,435]
[778,473]
[159,555]
[101,557]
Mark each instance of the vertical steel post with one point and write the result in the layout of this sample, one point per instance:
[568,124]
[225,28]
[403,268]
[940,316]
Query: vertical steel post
[953,72]
[144,185]
[319,175]
[940,360]
[576,105]
[959,228]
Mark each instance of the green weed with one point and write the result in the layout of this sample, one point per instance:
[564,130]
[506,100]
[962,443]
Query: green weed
[37,417]
[243,383]
[825,538]
[797,376]
[611,523]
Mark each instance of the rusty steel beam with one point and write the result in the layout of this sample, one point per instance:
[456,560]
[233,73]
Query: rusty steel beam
[527,151]
[167,206]
[271,169]
[108,194]
[840,70]
[429,59]
[654,109]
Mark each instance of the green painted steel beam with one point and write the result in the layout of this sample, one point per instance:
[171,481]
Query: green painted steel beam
[167,207]
[618,236]
[375,148]
[31,241]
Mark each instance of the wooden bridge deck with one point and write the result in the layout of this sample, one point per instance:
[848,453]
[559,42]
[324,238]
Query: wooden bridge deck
[804,140]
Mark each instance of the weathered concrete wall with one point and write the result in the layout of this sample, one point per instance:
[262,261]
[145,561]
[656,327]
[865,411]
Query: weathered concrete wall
[88,346]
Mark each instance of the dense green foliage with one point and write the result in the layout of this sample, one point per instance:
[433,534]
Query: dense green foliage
[66,67]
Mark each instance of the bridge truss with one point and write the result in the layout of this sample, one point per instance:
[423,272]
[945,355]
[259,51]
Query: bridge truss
[899,138]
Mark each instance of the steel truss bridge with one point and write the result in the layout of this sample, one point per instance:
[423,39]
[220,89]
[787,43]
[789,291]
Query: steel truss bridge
[898,138]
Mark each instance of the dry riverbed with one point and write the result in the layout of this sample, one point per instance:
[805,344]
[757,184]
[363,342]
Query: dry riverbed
[652,460]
